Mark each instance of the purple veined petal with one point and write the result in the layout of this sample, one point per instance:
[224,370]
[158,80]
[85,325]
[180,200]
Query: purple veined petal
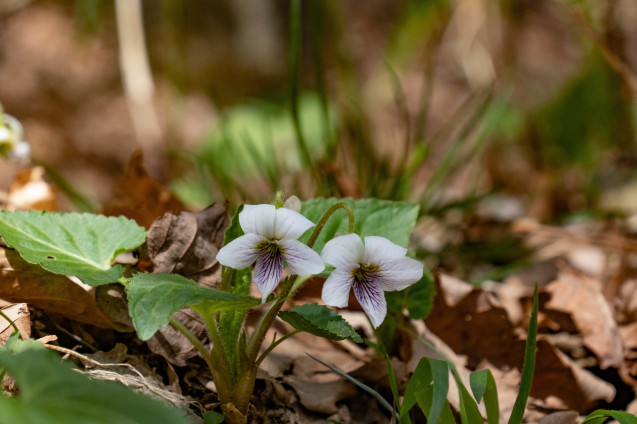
[343,251]
[379,249]
[372,298]
[267,272]
[302,260]
[258,219]
[241,252]
[337,286]
[289,224]
[397,274]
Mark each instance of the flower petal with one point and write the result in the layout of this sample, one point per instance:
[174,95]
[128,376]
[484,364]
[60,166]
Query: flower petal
[240,252]
[267,272]
[258,219]
[343,251]
[289,224]
[378,249]
[372,298]
[397,274]
[302,260]
[336,287]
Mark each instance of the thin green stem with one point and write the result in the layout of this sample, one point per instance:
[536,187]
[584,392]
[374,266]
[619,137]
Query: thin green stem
[326,216]
[274,344]
[258,336]
[10,321]
[194,340]
[218,352]
[227,279]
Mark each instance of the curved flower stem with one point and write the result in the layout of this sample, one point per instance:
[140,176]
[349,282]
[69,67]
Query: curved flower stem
[326,216]
[274,344]
[258,336]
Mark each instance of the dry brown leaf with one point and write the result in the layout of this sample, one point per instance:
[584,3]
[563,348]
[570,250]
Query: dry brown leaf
[477,326]
[21,281]
[140,197]
[560,417]
[581,297]
[174,346]
[30,190]
[19,315]
[321,396]
[187,243]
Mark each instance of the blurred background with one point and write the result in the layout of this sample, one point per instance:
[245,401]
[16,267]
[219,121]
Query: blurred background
[481,111]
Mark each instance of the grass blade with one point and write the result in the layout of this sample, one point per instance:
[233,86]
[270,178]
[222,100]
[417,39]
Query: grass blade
[601,415]
[383,402]
[483,385]
[392,382]
[528,367]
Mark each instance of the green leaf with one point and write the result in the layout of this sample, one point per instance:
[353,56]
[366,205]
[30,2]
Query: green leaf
[153,299]
[420,296]
[528,366]
[469,412]
[321,321]
[425,400]
[419,386]
[83,245]
[392,220]
[212,417]
[392,382]
[602,415]
[483,384]
[440,372]
[419,381]
[52,393]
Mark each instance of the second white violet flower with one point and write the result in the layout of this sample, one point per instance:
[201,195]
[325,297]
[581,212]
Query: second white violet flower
[270,239]
[370,269]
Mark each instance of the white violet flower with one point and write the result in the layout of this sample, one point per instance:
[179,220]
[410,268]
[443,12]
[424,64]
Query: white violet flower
[370,269]
[12,146]
[270,238]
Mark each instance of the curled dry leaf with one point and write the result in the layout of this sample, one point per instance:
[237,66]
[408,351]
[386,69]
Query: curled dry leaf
[21,281]
[581,297]
[140,197]
[187,243]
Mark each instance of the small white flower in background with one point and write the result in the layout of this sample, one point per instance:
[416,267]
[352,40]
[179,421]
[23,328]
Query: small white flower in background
[370,269]
[11,144]
[270,238]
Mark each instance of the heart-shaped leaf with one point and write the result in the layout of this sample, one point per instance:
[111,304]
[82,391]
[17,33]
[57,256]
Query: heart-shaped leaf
[83,245]
[153,299]
[321,321]
[392,220]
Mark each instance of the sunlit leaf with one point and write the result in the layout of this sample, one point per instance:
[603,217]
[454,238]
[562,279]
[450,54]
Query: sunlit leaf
[153,299]
[321,321]
[392,220]
[83,245]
